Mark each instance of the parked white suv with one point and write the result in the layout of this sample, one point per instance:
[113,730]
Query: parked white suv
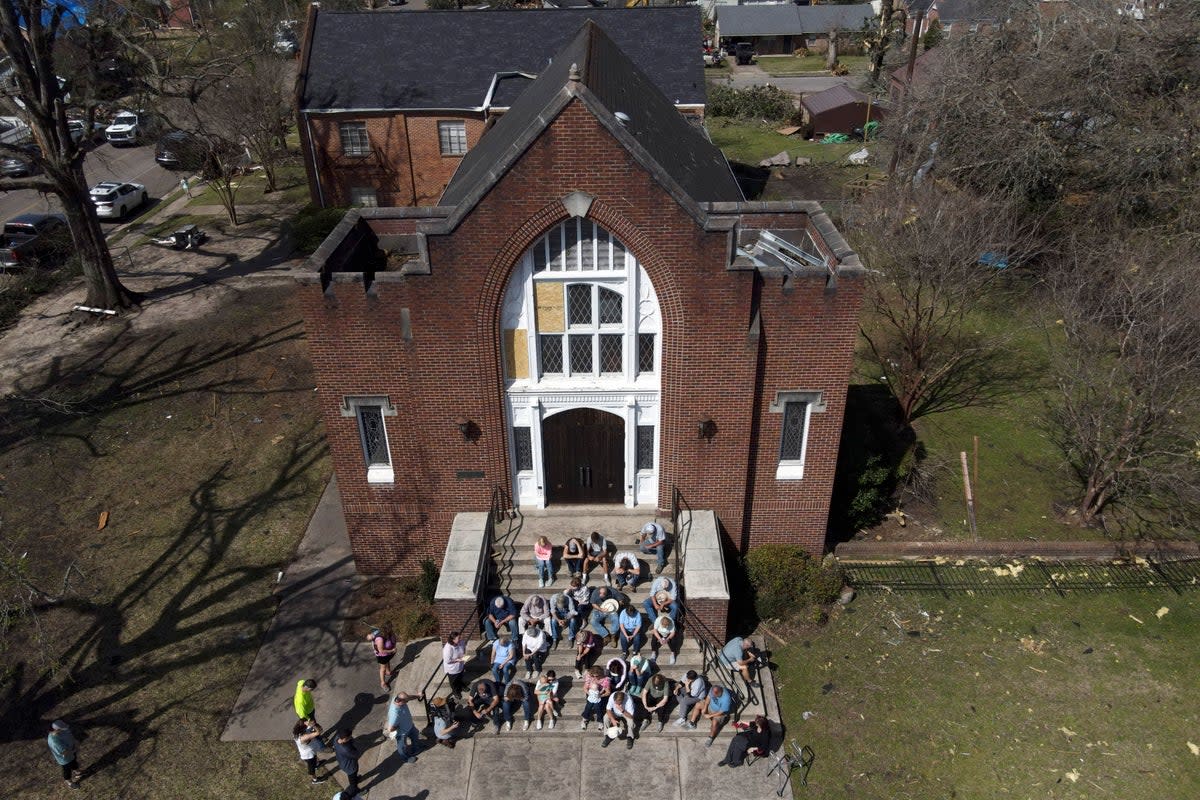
[114,200]
[126,128]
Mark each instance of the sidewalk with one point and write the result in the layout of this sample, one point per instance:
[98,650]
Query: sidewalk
[304,641]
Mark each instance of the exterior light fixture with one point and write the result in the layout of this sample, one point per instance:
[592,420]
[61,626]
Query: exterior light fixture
[465,427]
[706,428]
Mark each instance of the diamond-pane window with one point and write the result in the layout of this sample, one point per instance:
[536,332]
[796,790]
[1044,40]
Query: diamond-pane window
[523,449]
[645,352]
[581,353]
[552,354]
[610,307]
[579,304]
[792,445]
[370,421]
[645,447]
[610,353]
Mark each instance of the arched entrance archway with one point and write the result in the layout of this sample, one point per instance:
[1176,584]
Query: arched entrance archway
[584,456]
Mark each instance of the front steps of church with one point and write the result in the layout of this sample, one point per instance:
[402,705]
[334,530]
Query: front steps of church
[517,577]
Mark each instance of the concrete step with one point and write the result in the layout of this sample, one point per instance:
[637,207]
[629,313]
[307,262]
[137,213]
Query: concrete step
[523,583]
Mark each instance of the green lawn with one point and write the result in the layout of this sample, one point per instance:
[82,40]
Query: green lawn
[1021,696]
[751,142]
[291,187]
[784,65]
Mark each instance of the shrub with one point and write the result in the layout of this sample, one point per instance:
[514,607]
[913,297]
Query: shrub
[786,580]
[311,225]
[427,583]
[756,102]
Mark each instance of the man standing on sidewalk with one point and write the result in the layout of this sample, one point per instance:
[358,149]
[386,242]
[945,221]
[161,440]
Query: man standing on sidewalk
[306,706]
[63,748]
[400,724]
[347,758]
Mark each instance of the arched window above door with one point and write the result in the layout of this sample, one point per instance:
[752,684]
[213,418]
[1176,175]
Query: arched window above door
[580,311]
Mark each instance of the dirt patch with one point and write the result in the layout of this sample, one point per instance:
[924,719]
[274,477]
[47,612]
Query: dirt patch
[399,602]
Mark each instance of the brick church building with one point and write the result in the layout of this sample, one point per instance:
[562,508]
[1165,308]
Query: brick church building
[590,314]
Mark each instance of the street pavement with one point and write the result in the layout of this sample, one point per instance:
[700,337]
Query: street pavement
[134,164]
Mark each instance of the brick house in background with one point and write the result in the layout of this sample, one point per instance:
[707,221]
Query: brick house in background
[388,104]
[591,314]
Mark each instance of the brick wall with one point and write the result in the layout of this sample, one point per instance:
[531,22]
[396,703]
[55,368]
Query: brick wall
[452,615]
[712,365]
[714,614]
[406,166]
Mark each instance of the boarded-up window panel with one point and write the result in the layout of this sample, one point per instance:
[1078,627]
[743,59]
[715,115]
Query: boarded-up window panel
[516,353]
[549,299]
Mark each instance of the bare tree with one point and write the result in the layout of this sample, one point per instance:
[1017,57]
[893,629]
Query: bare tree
[936,258]
[29,32]
[1127,373]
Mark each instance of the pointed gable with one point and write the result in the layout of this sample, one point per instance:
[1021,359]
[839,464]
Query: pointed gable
[593,69]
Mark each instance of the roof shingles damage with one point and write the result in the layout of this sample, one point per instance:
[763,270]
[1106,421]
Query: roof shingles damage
[786,239]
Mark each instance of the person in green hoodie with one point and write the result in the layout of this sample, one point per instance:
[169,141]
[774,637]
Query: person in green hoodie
[306,707]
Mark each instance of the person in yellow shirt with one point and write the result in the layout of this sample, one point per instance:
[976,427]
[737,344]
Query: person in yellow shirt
[306,706]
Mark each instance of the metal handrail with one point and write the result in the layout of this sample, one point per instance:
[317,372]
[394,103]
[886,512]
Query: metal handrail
[496,510]
[681,530]
[710,654]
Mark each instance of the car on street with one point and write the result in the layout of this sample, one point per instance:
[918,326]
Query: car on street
[127,127]
[34,239]
[78,129]
[114,200]
[179,150]
[14,165]
[13,130]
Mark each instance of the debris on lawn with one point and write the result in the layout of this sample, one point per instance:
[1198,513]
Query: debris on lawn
[788,131]
[1162,612]
[1135,619]
[1072,776]
[1195,748]
[103,521]
[781,159]
[1035,647]
[1067,731]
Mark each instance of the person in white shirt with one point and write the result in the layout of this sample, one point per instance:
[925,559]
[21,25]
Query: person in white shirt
[535,645]
[627,570]
[454,661]
[619,714]
[691,690]
[653,539]
[596,552]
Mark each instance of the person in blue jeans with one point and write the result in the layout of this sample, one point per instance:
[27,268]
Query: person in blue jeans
[653,539]
[400,722]
[627,570]
[630,633]
[563,612]
[502,611]
[740,654]
[604,619]
[516,694]
[504,659]
[485,703]
[662,599]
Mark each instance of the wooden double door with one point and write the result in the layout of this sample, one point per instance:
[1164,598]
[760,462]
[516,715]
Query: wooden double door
[584,453]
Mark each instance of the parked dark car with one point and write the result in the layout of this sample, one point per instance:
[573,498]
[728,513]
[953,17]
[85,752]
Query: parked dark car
[34,239]
[13,165]
[745,53]
[179,150]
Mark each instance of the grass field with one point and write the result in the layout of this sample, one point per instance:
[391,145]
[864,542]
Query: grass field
[1003,696]
[203,445]
[290,180]
[788,65]
[750,142]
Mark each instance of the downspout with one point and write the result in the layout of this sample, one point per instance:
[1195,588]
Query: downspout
[312,153]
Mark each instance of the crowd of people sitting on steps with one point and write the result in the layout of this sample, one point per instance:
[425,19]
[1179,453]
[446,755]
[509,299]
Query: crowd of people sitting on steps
[625,696]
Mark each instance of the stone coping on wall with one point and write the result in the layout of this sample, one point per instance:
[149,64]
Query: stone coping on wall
[463,562]
[704,560]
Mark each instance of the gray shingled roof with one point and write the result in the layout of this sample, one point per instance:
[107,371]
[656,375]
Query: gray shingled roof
[972,10]
[790,20]
[833,97]
[447,59]
[670,147]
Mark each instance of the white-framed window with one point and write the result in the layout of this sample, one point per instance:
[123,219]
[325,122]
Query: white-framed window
[355,141]
[452,137]
[796,409]
[594,342]
[369,413]
[363,196]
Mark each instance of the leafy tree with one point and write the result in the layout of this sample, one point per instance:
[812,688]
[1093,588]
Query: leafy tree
[933,35]
[30,31]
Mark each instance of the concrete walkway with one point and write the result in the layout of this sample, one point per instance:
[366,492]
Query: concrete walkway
[304,640]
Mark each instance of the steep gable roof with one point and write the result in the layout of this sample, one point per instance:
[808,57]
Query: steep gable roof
[592,68]
[447,60]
